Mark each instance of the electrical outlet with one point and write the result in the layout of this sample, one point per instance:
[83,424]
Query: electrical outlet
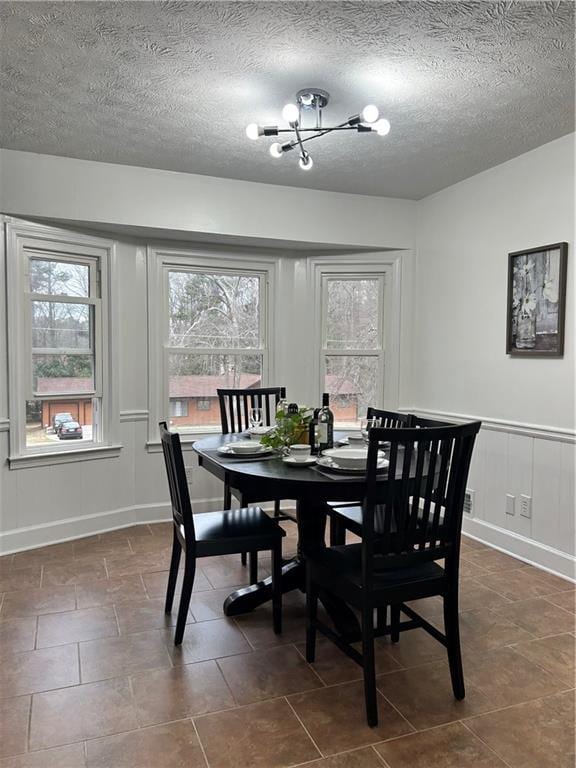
[469,501]
[526,506]
[510,504]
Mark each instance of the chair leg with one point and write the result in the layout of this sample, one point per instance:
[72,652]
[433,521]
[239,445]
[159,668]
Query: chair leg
[395,623]
[452,630]
[277,588]
[311,611]
[187,584]
[277,509]
[253,567]
[381,618]
[337,531]
[369,667]
[173,575]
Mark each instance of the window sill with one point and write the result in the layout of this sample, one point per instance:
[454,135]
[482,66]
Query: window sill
[64,457]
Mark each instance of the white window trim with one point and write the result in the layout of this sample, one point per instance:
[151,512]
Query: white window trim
[388,264]
[159,260]
[20,233]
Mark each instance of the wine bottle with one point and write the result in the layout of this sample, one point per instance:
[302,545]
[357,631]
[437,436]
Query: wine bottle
[282,406]
[325,425]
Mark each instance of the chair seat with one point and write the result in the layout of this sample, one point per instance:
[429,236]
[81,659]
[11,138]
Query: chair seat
[231,530]
[339,569]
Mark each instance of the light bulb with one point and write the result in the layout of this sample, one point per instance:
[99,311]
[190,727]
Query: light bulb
[253,131]
[370,113]
[382,127]
[305,162]
[276,149]
[291,113]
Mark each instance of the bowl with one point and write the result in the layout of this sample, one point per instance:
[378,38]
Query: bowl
[356,440]
[348,458]
[245,446]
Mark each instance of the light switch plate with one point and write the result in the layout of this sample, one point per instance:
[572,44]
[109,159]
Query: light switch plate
[510,504]
[526,506]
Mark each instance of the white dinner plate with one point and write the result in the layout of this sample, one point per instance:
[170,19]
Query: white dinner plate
[308,461]
[259,450]
[330,464]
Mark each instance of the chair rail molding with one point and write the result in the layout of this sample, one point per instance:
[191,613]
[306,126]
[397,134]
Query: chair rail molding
[4,424]
[135,415]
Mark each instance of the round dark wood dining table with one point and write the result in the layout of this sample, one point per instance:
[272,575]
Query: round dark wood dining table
[267,479]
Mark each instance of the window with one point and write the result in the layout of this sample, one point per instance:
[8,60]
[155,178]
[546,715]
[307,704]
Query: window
[352,346]
[178,408]
[213,333]
[57,365]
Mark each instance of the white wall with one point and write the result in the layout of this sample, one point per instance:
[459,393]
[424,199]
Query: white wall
[459,364]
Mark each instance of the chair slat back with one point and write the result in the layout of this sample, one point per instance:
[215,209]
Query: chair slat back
[235,405]
[416,515]
[390,419]
[177,483]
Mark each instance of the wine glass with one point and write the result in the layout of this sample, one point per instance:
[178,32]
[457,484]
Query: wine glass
[366,425]
[255,417]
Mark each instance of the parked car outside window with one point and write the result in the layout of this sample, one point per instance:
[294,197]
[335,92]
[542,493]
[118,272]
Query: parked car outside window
[70,430]
[60,418]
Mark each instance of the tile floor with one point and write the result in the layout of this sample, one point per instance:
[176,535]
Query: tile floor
[89,676]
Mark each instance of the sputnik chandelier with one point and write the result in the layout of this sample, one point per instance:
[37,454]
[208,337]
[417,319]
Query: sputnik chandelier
[310,103]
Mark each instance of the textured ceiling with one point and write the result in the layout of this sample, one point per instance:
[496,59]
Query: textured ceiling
[466,85]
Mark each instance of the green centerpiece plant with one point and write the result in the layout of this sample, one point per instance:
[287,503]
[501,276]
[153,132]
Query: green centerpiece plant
[290,429]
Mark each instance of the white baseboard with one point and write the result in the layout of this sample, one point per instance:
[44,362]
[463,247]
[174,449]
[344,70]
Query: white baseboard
[532,552]
[19,539]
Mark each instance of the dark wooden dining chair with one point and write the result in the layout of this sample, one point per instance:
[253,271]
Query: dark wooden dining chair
[411,518]
[235,406]
[348,517]
[213,533]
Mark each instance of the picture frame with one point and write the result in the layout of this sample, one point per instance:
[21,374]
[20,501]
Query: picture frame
[536,301]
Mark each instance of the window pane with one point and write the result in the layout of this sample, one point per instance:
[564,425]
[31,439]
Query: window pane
[59,278]
[194,379]
[351,382]
[60,325]
[62,374]
[60,422]
[352,314]
[214,311]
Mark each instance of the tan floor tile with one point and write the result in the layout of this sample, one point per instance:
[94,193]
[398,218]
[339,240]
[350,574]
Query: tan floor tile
[112,657]
[492,560]
[161,529]
[268,673]
[467,542]
[358,758]
[163,695]
[83,712]
[264,735]
[71,756]
[485,630]
[76,626]
[415,647]
[431,609]
[6,564]
[335,718]
[554,654]
[174,745]
[475,596]
[539,734]
[130,532]
[32,671]
[228,572]
[17,635]
[21,578]
[54,553]
[127,565]
[110,591]
[257,625]
[334,667]
[207,640]
[95,547]
[449,746]
[469,569]
[73,572]
[209,605]
[566,600]
[521,584]
[506,677]
[157,582]
[424,695]
[152,545]
[538,616]
[14,715]
[142,615]
[34,602]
